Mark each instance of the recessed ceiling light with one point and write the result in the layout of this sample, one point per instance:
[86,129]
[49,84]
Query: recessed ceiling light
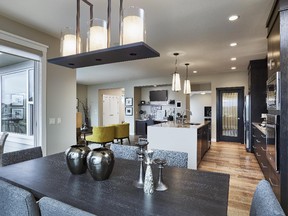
[233,68]
[233,59]
[195,71]
[203,93]
[1,53]
[233,18]
[233,44]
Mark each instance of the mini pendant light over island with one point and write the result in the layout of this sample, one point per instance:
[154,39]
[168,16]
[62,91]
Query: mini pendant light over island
[176,84]
[187,85]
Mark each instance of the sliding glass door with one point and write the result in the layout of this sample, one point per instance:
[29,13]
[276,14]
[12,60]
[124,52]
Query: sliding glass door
[17,101]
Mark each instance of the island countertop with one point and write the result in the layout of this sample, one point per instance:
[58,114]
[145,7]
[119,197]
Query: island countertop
[173,124]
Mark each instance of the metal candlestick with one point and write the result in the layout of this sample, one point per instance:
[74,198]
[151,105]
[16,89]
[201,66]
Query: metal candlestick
[160,185]
[141,151]
[148,183]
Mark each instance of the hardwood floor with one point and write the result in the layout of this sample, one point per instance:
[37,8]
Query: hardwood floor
[244,170]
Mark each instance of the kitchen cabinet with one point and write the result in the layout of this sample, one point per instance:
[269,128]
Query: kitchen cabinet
[203,141]
[259,147]
[273,39]
[141,126]
[257,77]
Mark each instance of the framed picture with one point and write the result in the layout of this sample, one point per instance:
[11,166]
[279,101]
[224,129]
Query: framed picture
[128,111]
[128,101]
[17,100]
[178,104]
[18,113]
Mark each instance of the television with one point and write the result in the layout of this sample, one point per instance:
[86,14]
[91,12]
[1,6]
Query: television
[160,95]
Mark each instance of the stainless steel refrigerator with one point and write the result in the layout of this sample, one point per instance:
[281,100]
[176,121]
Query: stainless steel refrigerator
[247,123]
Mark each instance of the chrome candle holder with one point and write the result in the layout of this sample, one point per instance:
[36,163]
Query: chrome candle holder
[160,185]
[148,182]
[141,152]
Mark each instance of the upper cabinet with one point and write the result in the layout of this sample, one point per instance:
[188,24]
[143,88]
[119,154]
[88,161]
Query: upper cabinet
[273,56]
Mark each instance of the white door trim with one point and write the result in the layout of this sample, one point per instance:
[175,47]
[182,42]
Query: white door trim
[41,106]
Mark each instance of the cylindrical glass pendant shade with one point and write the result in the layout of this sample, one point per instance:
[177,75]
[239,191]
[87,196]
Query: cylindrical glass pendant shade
[176,84]
[97,35]
[68,42]
[133,25]
[187,87]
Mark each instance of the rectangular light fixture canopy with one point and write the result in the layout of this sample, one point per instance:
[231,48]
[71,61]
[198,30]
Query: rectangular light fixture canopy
[129,52]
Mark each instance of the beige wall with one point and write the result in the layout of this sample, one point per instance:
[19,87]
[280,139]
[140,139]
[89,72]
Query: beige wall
[60,88]
[81,94]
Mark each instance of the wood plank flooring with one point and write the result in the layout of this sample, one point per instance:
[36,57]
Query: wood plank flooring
[244,170]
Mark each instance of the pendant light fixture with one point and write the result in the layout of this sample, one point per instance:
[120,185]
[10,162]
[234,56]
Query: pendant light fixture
[98,51]
[187,85]
[176,84]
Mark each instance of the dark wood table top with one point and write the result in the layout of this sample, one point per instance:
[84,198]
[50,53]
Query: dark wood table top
[190,192]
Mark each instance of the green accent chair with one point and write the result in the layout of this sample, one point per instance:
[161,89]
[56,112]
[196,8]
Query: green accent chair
[122,132]
[102,135]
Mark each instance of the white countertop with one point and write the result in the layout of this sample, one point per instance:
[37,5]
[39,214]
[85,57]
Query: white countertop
[172,124]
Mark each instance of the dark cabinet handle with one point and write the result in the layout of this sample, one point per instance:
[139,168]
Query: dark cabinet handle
[271,182]
[263,166]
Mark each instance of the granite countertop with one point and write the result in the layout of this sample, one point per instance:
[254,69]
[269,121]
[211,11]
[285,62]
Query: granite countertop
[261,128]
[172,124]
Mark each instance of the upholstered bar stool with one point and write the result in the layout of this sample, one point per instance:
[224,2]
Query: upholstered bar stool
[102,135]
[124,151]
[173,158]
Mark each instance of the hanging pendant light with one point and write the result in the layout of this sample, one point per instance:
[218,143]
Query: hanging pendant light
[176,84]
[187,85]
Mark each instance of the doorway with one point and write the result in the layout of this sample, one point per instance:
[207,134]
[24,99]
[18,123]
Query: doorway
[230,104]
[111,109]
[111,106]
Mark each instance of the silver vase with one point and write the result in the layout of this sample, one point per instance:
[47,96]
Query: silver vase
[76,158]
[100,163]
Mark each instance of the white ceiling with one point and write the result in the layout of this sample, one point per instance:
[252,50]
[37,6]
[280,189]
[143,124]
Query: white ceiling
[199,30]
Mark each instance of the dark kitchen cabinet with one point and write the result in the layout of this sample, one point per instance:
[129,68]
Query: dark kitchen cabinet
[257,77]
[141,126]
[203,141]
[259,148]
[273,40]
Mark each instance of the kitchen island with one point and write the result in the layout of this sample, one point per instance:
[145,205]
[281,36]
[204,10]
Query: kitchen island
[192,138]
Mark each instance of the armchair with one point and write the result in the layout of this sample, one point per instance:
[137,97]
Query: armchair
[122,132]
[102,135]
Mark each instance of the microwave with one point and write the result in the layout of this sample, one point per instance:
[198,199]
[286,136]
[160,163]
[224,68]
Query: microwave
[273,97]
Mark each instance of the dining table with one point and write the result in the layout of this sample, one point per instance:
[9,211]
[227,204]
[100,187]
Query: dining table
[190,192]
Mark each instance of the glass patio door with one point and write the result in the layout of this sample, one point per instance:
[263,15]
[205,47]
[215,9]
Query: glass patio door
[230,114]
[17,101]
